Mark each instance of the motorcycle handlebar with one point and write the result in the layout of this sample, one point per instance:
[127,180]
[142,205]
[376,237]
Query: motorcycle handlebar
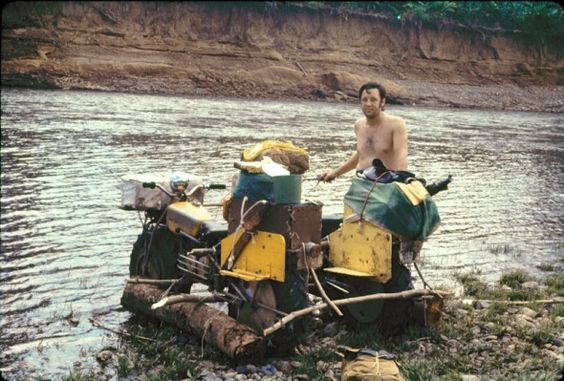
[216,186]
[153,185]
[439,186]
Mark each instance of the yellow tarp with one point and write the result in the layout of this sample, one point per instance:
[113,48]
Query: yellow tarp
[255,151]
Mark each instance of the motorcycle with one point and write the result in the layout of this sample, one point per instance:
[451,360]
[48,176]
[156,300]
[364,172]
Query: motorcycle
[387,215]
[259,260]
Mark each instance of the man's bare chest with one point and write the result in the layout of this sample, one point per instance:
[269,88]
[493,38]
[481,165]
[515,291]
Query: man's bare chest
[377,141]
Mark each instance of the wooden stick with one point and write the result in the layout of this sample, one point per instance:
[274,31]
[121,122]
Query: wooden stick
[138,280]
[521,302]
[183,298]
[121,333]
[300,67]
[324,295]
[393,295]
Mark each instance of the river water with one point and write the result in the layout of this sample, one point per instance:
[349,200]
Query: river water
[65,245]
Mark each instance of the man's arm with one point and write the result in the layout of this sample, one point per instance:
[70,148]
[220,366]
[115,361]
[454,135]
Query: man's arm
[399,142]
[344,168]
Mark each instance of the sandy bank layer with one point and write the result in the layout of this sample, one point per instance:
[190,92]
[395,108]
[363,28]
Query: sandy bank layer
[287,52]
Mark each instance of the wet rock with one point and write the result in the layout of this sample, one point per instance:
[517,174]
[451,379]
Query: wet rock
[552,355]
[284,366]
[269,370]
[73,321]
[104,357]
[295,364]
[469,377]
[531,285]
[482,304]
[340,96]
[205,364]
[528,312]
[331,329]
[318,93]
[475,330]
[452,343]
[246,369]
[524,321]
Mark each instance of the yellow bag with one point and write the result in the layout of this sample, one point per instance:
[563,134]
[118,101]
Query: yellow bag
[369,365]
[294,158]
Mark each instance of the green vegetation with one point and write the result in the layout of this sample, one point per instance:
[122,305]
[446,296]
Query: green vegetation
[490,337]
[529,16]
[544,17]
[78,375]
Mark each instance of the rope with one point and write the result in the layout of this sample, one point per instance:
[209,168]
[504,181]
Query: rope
[207,326]
[243,215]
[306,264]
[370,191]
[425,284]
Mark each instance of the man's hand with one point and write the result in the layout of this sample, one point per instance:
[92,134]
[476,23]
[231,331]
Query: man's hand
[326,177]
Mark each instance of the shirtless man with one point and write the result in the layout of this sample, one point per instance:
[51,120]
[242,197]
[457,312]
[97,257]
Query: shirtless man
[378,136]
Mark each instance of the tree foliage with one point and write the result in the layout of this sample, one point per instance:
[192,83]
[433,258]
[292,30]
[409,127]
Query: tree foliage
[528,16]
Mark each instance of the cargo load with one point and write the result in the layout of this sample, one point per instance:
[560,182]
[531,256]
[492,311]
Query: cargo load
[295,159]
[405,210]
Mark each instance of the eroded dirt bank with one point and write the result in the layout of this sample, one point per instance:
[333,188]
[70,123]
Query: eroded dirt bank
[275,51]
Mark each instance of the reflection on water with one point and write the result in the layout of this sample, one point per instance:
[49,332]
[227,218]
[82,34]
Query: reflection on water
[65,245]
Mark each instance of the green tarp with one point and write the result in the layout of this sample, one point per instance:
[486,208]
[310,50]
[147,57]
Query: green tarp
[389,208]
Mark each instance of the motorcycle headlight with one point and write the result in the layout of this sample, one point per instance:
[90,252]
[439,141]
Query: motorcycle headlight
[179,182]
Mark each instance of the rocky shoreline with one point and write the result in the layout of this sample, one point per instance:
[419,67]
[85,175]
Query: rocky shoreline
[426,94]
[491,332]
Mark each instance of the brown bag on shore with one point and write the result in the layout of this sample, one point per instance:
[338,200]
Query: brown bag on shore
[369,365]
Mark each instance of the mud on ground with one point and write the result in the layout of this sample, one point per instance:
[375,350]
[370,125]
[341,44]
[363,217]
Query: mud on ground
[277,52]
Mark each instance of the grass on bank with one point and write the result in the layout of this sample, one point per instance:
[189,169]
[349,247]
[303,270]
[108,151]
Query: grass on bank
[534,17]
[544,17]
[492,339]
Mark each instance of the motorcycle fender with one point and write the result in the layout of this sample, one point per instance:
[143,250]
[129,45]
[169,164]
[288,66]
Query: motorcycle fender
[360,248]
[264,257]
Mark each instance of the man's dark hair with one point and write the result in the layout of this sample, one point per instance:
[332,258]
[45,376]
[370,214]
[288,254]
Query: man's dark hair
[373,85]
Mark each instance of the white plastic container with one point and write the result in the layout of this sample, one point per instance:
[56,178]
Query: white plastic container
[134,196]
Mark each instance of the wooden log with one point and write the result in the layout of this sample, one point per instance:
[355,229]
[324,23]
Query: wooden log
[236,340]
